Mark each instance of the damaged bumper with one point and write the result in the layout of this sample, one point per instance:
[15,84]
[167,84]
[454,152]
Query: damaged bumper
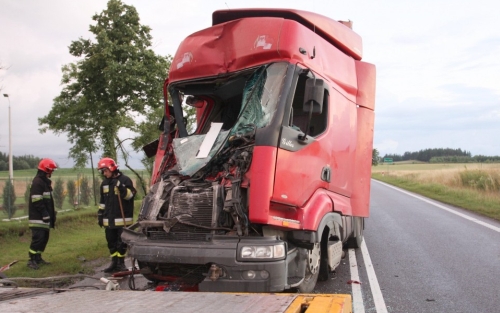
[234,262]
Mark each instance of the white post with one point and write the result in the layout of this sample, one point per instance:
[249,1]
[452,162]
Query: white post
[11,171]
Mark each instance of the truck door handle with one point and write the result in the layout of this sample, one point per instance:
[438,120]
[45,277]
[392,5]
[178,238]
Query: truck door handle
[325,174]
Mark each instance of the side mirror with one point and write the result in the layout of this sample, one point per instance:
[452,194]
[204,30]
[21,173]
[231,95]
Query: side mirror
[150,148]
[313,96]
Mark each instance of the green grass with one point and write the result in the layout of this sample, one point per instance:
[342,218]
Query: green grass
[76,246]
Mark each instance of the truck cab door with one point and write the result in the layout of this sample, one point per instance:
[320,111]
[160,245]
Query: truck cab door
[302,164]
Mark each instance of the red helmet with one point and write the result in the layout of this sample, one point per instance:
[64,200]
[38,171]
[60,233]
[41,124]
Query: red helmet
[47,165]
[108,163]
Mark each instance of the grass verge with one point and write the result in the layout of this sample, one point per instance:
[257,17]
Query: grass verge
[76,246]
[471,200]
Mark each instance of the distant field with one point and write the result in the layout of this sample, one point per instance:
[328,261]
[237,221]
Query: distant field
[472,186]
[23,178]
[62,172]
[422,166]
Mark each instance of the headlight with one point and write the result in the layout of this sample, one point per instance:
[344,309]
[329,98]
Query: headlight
[263,252]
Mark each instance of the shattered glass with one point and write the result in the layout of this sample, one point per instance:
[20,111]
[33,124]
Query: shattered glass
[261,95]
[187,148]
[260,98]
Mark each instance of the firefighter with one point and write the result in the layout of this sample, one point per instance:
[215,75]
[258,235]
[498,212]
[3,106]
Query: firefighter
[116,210]
[42,215]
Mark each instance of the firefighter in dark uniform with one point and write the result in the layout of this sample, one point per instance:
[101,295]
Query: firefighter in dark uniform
[116,210]
[42,215]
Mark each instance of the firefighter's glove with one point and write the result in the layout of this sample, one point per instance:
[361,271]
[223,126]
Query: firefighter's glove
[100,218]
[45,217]
[119,187]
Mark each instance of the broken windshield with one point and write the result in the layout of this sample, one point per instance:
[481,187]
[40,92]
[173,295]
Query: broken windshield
[238,105]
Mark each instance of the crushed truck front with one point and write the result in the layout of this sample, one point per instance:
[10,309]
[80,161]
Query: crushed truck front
[262,191]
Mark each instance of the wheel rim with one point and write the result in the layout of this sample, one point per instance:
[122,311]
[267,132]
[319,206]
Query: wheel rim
[313,258]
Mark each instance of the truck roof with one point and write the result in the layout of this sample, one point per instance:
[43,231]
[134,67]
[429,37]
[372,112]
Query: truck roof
[332,31]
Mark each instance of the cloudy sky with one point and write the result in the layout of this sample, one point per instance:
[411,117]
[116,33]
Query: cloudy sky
[438,64]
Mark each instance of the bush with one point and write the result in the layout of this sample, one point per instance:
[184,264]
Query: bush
[97,188]
[58,193]
[481,180]
[9,198]
[27,198]
[86,192]
[71,187]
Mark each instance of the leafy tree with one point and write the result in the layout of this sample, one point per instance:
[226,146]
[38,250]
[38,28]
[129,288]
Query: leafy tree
[18,162]
[71,187]
[117,77]
[375,157]
[9,198]
[58,193]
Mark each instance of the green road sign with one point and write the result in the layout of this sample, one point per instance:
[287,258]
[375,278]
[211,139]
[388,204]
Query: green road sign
[387,160]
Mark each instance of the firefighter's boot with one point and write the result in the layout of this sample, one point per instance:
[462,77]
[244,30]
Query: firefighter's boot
[112,267]
[120,265]
[41,261]
[32,261]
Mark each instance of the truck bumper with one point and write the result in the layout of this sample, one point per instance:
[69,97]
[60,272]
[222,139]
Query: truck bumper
[247,276]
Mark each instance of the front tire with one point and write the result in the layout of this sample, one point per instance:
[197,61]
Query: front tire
[312,269]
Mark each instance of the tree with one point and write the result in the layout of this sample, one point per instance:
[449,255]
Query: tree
[375,157]
[117,78]
[9,198]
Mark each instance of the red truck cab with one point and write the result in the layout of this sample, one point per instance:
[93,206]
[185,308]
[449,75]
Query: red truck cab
[269,183]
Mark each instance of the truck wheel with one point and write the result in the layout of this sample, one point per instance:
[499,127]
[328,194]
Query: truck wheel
[356,237]
[312,270]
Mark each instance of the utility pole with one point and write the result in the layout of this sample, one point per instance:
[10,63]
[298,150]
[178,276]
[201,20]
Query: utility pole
[11,171]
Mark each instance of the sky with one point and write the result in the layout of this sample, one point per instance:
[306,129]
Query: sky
[438,65]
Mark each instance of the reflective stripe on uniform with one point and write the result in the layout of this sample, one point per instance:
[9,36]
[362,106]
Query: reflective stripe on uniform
[119,221]
[32,251]
[129,195]
[118,254]
[35,198]
[47,195]
[38,223]
[102,206]
[105,188]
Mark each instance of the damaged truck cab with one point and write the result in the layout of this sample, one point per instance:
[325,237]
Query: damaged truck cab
[269,183]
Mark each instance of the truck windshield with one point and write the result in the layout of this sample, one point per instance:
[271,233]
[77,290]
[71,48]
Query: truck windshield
[234,106]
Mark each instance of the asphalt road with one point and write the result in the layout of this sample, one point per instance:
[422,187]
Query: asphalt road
[421,256]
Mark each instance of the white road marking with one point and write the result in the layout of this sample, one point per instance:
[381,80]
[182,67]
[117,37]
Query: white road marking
[357,297]
[378,298]
[475,220]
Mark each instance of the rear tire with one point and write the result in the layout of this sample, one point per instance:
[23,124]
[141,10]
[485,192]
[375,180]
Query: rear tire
[356,237]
